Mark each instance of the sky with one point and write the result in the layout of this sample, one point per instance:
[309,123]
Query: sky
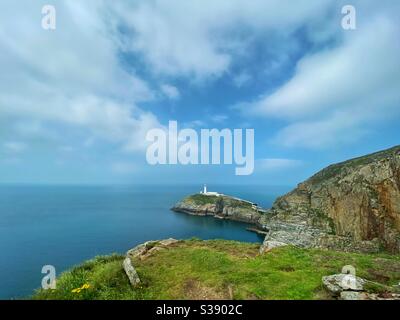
[77,102]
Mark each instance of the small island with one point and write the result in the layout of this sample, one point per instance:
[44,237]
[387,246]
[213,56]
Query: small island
[218,205]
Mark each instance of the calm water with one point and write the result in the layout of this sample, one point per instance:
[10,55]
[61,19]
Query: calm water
[64,225]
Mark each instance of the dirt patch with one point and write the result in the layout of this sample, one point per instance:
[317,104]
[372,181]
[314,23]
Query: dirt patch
[286,269]
[385,265]
[377,276]
[195,290]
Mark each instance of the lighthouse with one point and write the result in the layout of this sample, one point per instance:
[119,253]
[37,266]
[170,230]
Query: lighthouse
[208,193]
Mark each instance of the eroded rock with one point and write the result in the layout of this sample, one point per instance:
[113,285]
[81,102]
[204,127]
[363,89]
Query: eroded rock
[146,249]
[131,272]
[341,282]
[353,295]
[269,245]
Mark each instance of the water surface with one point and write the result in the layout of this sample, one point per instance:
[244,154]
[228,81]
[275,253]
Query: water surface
[64,225]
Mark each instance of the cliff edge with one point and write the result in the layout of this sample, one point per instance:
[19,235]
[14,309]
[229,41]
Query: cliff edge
[349,206]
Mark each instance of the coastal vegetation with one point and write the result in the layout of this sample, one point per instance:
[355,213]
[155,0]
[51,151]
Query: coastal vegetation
[220,269]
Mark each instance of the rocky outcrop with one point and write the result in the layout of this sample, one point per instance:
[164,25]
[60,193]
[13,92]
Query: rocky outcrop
[221,206]
[354,295]
[143,251]
[350,287]
[350,206]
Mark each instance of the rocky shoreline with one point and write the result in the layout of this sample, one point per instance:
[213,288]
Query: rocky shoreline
[220,207]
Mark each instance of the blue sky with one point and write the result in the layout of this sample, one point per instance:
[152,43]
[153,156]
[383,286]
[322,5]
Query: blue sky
[76,102]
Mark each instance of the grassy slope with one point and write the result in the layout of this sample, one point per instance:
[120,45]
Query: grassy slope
[335,169]
[221,269]
[200,199]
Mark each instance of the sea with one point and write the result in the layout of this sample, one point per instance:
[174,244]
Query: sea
[64,225]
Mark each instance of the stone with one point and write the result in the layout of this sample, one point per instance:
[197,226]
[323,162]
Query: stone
[131,272]
[341,282]
[353,295]
[168,242]
[145,249]
[269,245]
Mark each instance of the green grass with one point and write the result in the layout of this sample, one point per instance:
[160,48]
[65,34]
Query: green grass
[219,269]
[201,199]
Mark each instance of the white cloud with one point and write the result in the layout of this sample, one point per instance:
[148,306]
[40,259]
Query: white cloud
[200,40]
[14,147]
[66,149]
[275,164]
[123,168]
[339,128]
[335,94]
[219,118]
[69,77]
[194,124]
[74,77]
[170,91]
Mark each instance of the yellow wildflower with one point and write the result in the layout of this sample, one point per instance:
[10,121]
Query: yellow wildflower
[77,290]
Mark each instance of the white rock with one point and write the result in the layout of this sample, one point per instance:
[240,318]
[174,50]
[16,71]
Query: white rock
[131,272]
[353,295]
[271,244]
[340,282]
[142,249]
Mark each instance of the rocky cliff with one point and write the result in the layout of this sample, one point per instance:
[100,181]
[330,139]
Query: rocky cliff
[350,206]
[220,206]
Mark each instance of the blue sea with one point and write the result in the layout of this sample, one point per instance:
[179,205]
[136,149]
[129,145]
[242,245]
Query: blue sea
[65,225]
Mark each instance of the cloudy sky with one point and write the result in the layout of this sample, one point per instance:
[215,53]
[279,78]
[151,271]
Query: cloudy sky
[77,102]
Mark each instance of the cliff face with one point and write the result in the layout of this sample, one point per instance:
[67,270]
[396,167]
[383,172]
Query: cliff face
[218,206]
[352,206]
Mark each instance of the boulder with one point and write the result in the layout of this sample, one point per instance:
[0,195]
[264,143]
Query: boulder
[341,282]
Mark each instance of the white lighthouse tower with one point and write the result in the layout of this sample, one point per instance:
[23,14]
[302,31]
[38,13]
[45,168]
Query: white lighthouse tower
[208,193]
